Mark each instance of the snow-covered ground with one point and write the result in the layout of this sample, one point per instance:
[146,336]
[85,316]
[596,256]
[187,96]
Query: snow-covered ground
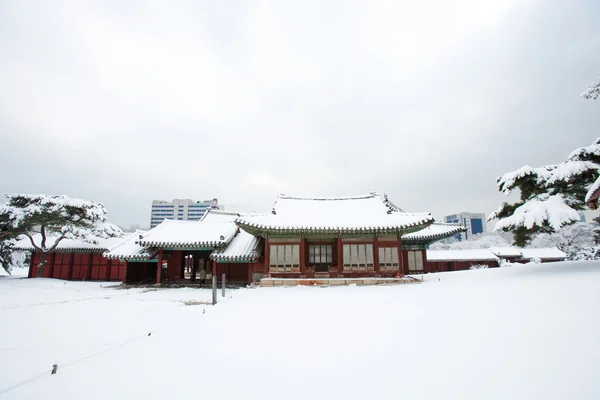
[522,332]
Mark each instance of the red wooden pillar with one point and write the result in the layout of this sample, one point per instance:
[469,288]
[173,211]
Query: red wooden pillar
[31,273]
[425,262]
[250,267]
[108,269]
[302,255]
[88,273]
[401,258]
[159,266]
[267,255]
[175,274]
[376,255]
[340,254]
[71,261]
[51,264]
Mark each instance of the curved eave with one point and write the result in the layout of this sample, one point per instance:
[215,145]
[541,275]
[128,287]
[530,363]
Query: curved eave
[181,245]
[240,258]
[137,257]
[264,230]
[63,250]
[427,239]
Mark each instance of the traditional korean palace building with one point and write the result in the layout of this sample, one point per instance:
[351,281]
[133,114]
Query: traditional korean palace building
[344,237]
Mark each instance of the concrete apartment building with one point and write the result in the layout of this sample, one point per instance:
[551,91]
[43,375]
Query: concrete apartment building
[474,222]
[180,209]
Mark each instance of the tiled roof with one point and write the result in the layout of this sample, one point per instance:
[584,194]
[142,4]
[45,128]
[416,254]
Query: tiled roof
[506,251]
[189,234]
[67,245]
[360,214]
[243,247]
[461,255]
[433,232]
[543,253]
[129,250]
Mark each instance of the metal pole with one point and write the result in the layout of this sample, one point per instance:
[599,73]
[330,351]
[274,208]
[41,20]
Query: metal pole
[214,289]
[223,285]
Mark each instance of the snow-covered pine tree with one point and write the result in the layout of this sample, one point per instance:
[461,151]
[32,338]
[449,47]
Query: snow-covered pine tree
[55,218]
[550,195]
[593,91]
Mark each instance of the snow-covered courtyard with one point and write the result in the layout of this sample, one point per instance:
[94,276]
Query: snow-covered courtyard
[521,332]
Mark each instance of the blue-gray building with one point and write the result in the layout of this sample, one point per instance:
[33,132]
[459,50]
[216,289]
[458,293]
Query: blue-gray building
[474,222]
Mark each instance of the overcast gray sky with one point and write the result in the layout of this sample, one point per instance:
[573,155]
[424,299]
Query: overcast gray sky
[124,102]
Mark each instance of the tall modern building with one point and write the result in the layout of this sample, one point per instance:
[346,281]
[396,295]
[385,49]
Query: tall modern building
[180,209]
[474,222]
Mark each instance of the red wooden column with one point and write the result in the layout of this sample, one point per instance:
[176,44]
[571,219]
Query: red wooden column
[267,255]
[425,262]
[108,269]
[71,261]
[88,273]
[401,261]
[302,255]
[31,273]
[159,266]
[340,254]
[376,255]
[51,264]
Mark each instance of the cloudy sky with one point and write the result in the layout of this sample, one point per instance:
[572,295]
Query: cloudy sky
[428,101]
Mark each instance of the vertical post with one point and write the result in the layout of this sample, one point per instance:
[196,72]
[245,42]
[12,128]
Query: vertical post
[214,289]
[71,261]
[340,255]
[223,277]
[376,255]
[267,255]
[109,268]
[401,261]
[88,273]
[159,265]
[302,255]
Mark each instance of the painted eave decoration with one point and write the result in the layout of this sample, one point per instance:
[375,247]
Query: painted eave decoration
[67,245]
[432,233]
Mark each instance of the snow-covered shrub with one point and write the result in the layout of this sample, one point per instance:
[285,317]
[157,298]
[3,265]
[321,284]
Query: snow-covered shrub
[479,266]
[577,240]
[9,258]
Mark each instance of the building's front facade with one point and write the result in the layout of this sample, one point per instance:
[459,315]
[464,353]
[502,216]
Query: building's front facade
[180,210]
[474,223]
[348,237]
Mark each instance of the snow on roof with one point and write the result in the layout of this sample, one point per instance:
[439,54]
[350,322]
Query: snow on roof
[461,255]
[76,245]
[506,251]
[243,247]
[213,215]
[370,213]
[543,253]
[128,249]
[202,233]
[435,231]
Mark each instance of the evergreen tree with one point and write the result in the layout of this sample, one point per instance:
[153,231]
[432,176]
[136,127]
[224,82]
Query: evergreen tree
[593,91]
[54,218]
[550,195]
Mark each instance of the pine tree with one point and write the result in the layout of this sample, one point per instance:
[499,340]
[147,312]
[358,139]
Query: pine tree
[550,195]
[593,91]
[54,218]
